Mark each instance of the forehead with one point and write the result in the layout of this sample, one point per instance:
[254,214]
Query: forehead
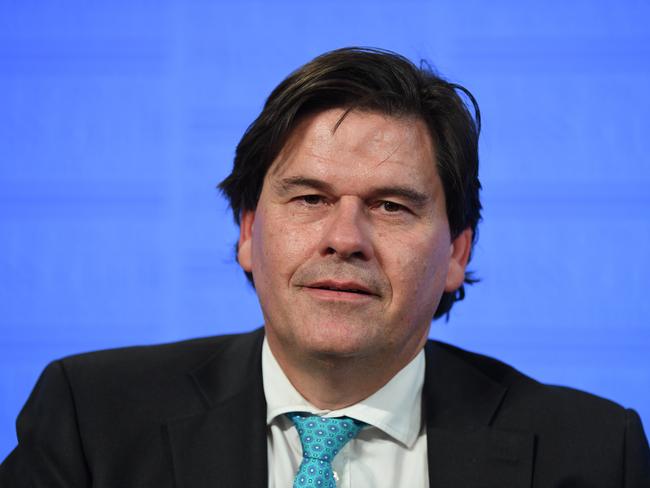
[361,145]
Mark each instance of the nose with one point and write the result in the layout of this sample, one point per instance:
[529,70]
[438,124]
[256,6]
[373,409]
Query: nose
[348,233]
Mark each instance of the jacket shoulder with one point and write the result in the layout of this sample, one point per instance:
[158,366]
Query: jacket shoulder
[578,439]
[101,415]
[154,382]
[151,361]
[522,388]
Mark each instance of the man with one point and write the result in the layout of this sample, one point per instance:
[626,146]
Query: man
[357,195]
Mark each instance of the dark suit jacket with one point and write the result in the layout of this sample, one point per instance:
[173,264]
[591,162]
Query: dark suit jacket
[192,414]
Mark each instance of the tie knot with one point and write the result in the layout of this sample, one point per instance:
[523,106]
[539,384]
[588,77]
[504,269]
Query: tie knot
[323,437]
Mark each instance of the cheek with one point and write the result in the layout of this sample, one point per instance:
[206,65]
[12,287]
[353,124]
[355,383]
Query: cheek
[420,271]
[280,248]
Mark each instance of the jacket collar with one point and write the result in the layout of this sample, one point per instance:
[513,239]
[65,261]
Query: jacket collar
[224,445]
[460,403]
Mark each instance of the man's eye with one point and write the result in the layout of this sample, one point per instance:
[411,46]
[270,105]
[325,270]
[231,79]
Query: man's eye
[312,199]
[391,207]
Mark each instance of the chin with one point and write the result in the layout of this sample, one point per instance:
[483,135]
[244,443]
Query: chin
[337,341]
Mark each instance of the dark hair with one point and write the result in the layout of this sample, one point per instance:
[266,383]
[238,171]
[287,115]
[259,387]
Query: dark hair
[378,81]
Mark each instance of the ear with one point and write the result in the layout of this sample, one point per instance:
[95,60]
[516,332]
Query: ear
[459,249]
[244,247]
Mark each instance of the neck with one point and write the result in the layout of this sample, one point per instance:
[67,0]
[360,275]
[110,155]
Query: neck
[332,382]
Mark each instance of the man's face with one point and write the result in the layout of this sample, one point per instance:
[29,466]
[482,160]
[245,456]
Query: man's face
[349,246]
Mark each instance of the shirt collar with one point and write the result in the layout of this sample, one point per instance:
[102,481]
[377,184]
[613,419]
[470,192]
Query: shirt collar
[396,408]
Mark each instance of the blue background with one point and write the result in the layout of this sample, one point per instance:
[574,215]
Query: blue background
[117,120]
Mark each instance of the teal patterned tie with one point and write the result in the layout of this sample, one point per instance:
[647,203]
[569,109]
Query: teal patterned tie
[322,438]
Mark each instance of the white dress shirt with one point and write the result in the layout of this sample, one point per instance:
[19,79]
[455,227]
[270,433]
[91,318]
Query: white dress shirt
[391,451]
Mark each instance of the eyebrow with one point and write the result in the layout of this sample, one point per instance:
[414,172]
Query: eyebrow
[414,197]
[286,185]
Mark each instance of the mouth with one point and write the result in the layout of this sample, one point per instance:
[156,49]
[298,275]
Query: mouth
[342,288]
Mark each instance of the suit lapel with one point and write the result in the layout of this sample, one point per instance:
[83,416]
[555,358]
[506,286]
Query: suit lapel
[459,405]
[224,445]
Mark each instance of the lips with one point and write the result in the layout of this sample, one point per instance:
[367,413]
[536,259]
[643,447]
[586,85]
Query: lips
[342,287]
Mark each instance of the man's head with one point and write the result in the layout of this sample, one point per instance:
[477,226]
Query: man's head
[369,80]
[356,192]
